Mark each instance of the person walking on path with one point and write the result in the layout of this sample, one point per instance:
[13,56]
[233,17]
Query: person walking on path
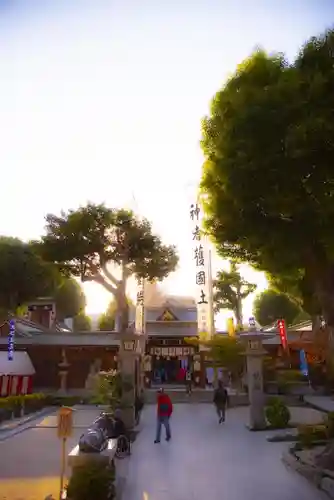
[164,412]
[220,400]
[188,382]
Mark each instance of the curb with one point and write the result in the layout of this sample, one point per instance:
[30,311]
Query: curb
[313,474]
[122,470]
[14,424]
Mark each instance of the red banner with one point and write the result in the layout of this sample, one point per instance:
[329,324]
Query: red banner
[282,333]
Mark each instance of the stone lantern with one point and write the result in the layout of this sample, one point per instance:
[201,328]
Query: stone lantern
[63,372]
[254,351]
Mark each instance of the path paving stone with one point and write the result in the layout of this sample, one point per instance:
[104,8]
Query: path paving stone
[205,461]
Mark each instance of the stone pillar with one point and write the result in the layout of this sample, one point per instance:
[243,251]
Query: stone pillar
[130,350]
[254,357]
[127,369]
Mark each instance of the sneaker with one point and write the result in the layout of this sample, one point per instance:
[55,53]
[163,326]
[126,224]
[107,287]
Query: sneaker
[168,438]
[156,441]
[220,420]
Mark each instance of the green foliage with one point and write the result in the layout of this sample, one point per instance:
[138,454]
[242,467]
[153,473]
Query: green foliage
[107,320]
[23,275]
[277,413]
[269,306]
[329,423]
[88,241]
[310,434]
[93,480]
[230,289]
[82,323]
[224,351]
[267,176]
[28,402]
[108,390]
[301,317]
[70,299]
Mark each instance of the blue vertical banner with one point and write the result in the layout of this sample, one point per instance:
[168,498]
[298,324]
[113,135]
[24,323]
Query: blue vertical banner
[11,340]
[303,363]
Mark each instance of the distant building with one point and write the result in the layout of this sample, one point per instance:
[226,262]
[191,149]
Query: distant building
[169,321]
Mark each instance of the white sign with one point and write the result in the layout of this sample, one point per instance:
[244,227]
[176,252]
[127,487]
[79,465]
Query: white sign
[202,275]
[140,308]
[129,345]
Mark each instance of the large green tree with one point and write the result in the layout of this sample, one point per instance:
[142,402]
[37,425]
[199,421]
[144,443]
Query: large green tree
[24,276]
[268,178]
[106,246]
[269,306]
[230,289]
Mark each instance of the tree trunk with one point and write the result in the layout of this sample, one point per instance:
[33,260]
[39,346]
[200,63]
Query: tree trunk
[122,310]
[238,313]
[118,289]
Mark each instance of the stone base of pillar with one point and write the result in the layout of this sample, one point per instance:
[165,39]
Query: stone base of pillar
[128,417]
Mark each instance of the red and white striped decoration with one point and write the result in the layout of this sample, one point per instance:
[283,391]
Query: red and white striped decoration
[15,385]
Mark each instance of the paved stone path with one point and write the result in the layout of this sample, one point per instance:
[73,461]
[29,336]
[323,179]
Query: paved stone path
[325,403]
[205,461]
[30,456]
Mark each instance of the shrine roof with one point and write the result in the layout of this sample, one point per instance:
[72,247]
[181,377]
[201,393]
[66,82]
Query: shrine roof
[26,328]
[171,329]
[107,339]
[180,314]
[20,364]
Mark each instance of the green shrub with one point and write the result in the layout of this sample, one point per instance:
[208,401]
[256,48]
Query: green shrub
[309,434]
[92,481]
[64,400]
[329,423]
[277,413]
[15,403]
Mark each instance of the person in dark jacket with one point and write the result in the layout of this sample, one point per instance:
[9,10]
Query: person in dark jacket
[221,400]
[164,412]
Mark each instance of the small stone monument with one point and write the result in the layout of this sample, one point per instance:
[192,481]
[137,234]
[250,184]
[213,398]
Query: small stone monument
[254,356]
[93,376]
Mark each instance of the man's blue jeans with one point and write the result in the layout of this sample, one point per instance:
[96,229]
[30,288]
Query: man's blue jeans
[165,422]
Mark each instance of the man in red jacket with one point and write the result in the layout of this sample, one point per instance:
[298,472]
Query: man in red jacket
[164,411]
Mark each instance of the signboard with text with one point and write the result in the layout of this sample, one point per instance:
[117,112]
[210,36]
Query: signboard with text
[202,278]
[282,333]
[140,307]
[65,422]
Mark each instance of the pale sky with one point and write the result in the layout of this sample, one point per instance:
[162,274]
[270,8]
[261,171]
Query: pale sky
[102,101]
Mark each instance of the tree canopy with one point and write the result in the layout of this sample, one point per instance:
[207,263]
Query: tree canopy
[82,322]
[70,299]
[267,178]
[230,289]
[270,306]
[225,352]
[97,243]
[107,320]
[23,275]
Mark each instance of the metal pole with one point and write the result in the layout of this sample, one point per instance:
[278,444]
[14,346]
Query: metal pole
[63,467]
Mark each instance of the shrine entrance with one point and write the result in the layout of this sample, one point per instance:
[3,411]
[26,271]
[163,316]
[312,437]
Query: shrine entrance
[166,370]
